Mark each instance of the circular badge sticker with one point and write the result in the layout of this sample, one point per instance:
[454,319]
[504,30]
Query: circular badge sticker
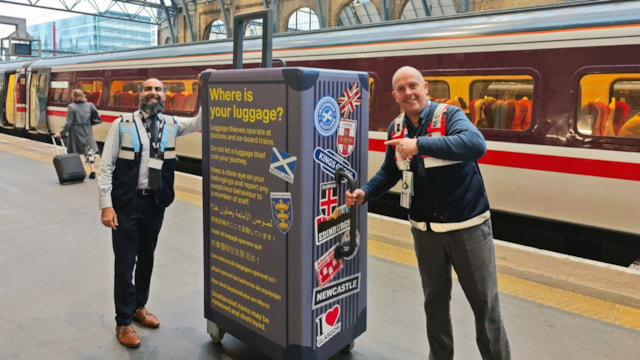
[326,116]
[345,241]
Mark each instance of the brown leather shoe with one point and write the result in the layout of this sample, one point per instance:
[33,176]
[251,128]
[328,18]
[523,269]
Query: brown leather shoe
[146,318]
[127,336]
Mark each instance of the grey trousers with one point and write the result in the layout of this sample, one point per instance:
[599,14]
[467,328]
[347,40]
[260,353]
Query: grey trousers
[472,255]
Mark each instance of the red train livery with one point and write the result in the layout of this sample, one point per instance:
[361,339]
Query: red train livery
[555,90]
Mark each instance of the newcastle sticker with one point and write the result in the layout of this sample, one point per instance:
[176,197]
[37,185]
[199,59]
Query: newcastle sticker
[336,290]
[282,210]
[283,165]
[326,116]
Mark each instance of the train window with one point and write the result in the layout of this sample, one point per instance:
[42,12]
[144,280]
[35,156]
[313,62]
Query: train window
[91,88]
[490,101]
[609,104]
[502,90]
[182,94]
[438,89]
[59,92]
[501,103]
[125,93]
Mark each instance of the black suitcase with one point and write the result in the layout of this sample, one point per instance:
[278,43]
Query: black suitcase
[69,167]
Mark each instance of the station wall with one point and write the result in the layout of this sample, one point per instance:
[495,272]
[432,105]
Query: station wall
[207,12]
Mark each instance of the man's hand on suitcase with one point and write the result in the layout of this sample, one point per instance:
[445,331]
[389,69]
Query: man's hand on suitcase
[109,218]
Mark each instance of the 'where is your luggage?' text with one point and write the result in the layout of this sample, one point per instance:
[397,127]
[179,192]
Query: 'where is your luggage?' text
[236,111]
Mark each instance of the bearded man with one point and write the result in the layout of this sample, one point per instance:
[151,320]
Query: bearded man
[135,182]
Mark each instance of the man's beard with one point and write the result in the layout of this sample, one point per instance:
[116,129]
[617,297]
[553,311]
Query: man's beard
[152,108]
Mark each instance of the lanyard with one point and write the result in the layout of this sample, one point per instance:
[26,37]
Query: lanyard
[405,163]
[155,146]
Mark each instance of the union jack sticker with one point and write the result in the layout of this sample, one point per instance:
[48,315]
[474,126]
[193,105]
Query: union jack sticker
[350,100]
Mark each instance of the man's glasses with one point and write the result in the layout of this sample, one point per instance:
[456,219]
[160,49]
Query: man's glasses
[156,88]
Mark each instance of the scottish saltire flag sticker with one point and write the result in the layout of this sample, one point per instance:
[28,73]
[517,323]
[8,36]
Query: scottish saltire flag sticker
[282,210]
[283,165]
[326,116]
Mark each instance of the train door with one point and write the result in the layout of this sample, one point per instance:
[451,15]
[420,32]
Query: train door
[20,120]
[38,93]
[3,96]
[10,100]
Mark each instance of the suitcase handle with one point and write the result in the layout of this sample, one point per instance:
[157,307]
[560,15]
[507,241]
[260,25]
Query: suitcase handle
[342,251]
[55,145]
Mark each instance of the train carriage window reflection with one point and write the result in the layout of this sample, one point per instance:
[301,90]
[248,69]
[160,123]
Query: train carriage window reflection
[438,90]
[609,105]
[490,101]
[122,93]
[182,94]
[59,92]
[501,103]
[91,88]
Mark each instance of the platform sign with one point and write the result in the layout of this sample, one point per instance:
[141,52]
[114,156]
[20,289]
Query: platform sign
[271,204]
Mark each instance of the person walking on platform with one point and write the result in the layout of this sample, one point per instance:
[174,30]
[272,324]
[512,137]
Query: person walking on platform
[135,181]
[432,149]
[78,127]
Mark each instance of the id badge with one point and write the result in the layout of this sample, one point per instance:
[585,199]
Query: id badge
[155,175]
[407,189]
[403,164]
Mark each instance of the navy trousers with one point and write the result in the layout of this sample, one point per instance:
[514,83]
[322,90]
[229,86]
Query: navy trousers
[471,253]
[134,242]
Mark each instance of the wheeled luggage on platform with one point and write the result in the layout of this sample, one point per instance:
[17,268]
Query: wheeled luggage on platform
[285,269]
[69,167]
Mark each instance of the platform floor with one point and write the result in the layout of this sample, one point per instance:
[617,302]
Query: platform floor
[56,288]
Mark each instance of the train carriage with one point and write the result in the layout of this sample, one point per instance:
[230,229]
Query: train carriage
[555,90]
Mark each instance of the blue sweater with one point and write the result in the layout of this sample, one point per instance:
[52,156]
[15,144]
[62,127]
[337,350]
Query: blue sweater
[443,194]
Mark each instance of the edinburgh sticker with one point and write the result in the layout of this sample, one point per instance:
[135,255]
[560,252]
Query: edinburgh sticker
[333,225]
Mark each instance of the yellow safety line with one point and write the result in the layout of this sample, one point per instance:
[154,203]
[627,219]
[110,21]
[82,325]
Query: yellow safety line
[606,311]
[564,300]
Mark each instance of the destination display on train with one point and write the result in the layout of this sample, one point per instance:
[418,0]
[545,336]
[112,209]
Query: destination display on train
[249,208]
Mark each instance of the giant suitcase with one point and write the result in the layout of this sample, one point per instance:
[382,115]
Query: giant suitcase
[69,167]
